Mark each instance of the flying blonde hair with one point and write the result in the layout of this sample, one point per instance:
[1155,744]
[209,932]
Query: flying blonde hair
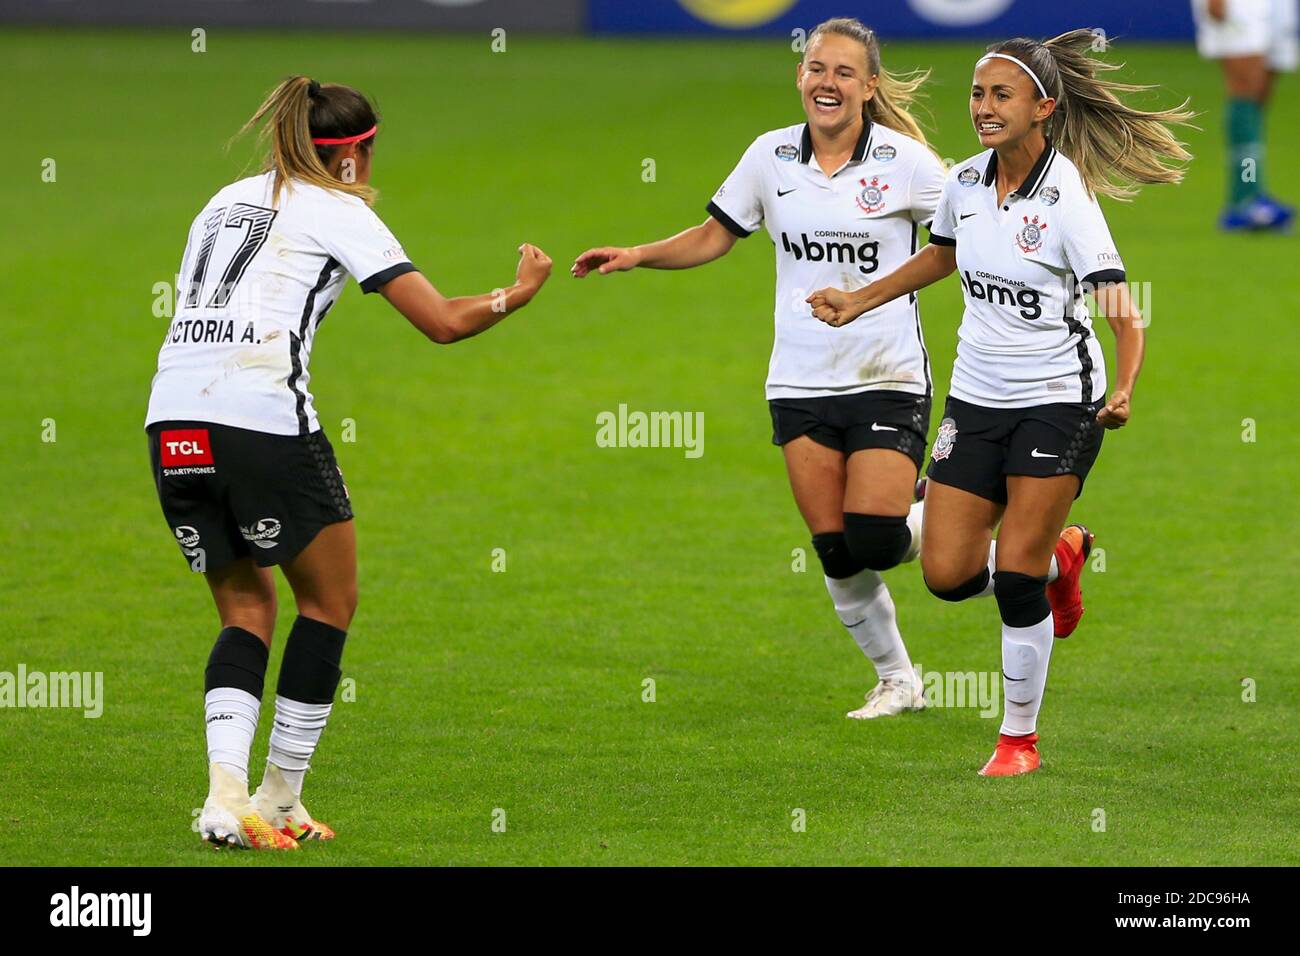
[1116,147]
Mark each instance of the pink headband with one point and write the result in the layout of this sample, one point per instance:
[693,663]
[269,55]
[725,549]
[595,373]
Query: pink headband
[344,140]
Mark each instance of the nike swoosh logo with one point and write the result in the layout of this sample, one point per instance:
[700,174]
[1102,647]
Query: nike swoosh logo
[1014,680]
[967,216]
[786,192]
[855,624]
[882,428]
[1042,454]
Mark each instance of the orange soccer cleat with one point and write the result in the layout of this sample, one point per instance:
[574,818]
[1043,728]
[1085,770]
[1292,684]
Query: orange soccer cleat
[284,811]
[1013,755]
[1063,594]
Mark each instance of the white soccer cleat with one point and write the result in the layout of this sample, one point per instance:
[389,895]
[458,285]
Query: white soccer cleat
[228,817]
[890,698]
[276,802]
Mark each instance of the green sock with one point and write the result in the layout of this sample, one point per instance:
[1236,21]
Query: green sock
[1245,151]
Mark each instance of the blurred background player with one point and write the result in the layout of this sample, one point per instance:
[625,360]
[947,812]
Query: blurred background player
[842,196]
[1253,40]
[1023,421]
[246,477]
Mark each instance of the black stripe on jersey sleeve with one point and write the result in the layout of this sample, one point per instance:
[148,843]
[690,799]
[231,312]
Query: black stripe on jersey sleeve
[937,240]
[387,275]
[733,227]
[1103,276]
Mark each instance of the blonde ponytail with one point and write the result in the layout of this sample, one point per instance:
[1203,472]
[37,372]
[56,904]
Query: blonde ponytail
[298,109]
[1116,147]
[891,105]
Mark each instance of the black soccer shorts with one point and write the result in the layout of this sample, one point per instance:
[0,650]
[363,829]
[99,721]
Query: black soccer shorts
[230,493]
[849,423]
[977,447]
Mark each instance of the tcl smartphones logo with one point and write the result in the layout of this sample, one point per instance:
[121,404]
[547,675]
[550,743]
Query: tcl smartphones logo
[185,446]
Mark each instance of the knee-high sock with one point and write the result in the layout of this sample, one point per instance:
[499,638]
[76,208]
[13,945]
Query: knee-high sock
[1026,652]
[309,677]
[294,735]
[915,520]
[866,609]
[1245,129]
[1026,648]
[1053,572]
[232,697]
[231,723]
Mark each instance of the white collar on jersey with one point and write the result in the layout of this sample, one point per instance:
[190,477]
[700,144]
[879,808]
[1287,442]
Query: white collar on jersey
[1037,173]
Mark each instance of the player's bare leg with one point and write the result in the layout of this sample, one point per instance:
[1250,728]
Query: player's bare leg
[818,477]
[245,598]
[1249,84]
[1030,533]
[956,538]
[324,581]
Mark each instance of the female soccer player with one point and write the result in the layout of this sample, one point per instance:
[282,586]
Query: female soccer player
[246,476]
[842,195]
[1253,40]
[1024,417]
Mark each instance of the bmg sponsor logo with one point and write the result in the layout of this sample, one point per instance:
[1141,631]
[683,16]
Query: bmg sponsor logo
[998,291]
[864,255]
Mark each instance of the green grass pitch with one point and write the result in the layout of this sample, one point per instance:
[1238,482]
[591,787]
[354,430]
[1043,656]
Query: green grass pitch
[522,691]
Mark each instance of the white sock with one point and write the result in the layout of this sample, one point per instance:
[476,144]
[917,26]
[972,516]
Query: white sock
[294,735]
[230,719]
[915,517]
[1026,652]
[866,609]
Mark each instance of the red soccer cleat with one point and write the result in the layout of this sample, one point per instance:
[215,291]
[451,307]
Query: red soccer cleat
[1063,594]
[1014,755]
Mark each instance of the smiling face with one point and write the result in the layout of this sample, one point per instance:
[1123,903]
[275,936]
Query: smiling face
[1004,103]
[834,82]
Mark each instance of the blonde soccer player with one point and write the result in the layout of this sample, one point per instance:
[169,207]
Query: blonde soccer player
[843,196]
[1027,406]
[245,475]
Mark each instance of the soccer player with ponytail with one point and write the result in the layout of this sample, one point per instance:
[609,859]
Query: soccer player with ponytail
[245,475]
[1027,407]
[842,196]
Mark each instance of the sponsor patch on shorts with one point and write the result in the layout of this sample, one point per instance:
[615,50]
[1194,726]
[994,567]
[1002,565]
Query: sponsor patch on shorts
[262,532]
[186,451]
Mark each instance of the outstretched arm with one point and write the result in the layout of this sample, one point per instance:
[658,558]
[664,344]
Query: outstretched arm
[692,247]
[837,307]
[449,320]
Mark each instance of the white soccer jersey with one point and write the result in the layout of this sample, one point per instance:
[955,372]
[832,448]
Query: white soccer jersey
[254,285]
[1026,337]
[841,230]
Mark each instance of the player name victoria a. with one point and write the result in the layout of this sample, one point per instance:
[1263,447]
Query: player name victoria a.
[255,284]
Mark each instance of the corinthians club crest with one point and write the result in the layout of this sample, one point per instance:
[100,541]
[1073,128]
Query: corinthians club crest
[1030,236]
[872,197]
[944,440]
